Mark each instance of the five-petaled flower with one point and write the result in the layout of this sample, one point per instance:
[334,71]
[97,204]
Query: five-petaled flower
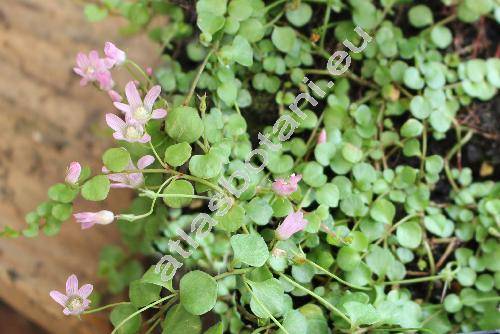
[75,301]
[137,110]
[89,219]
[114,56]
[283,187]
[292,224]
[73,173]
[128,131]
[130,180]
[92,68]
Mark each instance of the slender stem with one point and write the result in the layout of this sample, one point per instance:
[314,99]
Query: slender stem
[140,70]
[415,280]
[198,74]
[320,268]
[157,156]
[233,272]
[179,196]
[103,308]
[395,226]
[325,23]
[266,309]
[153,326]
[140,311]
[320,299]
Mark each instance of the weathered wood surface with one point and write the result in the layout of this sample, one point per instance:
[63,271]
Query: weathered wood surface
[48,120]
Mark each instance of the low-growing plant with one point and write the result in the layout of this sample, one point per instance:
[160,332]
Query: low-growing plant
[298,166]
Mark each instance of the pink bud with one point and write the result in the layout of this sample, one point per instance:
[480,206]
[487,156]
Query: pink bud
[322,137]
[89,219]
[285,188]
[115,96]
[292,224]
[114,55]
[149,71]
[73,173]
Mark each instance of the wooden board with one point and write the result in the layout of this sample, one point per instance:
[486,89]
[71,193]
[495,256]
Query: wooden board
[48,120]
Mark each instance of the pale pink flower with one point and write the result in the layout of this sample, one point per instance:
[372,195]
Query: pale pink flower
[128,131]
[105,80]
[114,56]
[322,137]
[114,96]
[285,188]
[292,224]
[130,180]
[149,71]
[73,172]
[137,110]
[90,68]
[89,219]
[75,301]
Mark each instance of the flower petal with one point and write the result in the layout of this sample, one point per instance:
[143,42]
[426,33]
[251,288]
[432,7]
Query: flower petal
[158,113]
[122,107]
[133,97]
[145,161]
[151,96]
[72,285]
[59,297]
[115,122]
[85,290]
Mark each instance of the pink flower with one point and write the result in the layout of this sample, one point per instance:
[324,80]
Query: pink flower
[89,219]
[105,80]
[285,188]
[138,111]
[130,180]
[149,71]
[92,68]
[75,300]
[114,96]
[292,224]
[128,131]
[322,137]
[73,173]
[114,56]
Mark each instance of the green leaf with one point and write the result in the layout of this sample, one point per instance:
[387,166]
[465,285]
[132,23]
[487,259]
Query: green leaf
[232,220]
[360,313]
[206,166]
[441,36]
[352,153]
[178,187]
[409,234]
[328,195]
[180,321]
[420,107]
[294,323]
[411,128]
[177,154]
[198,292]
[413,79]
[452,303]
[240,9]
[439,225]
[184,124]
[270,293]
[96,189]
[250,249]
[313,174]
[259,211]
[299,15]
[116,159]
[210,23]
[94,13]
[120,313]
[383,211]
[62,211]
[62,193]
[153,277]
[252,29]
[420,16]
[434,164]
[142,294]
[348,258]
[218,328]
[283,38]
